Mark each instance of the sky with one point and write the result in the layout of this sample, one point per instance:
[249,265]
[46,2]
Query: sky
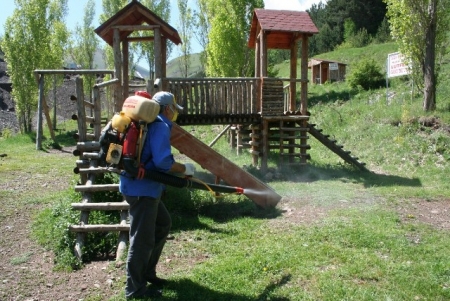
[76,12]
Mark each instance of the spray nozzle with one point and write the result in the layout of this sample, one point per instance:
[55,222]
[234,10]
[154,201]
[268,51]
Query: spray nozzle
[239,190]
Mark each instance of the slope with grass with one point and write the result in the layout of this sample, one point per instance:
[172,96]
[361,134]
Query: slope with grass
[337,234]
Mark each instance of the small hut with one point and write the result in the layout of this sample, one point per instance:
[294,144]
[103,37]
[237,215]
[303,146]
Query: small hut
[326,70]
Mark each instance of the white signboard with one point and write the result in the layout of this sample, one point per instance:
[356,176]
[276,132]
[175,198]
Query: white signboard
[333,66]
[396,65]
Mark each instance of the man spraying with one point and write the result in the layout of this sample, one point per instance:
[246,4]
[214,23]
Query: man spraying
[150,221]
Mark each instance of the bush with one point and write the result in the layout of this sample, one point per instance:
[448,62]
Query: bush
[366,74]
[51,228]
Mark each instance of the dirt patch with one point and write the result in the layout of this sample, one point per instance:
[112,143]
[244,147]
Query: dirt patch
[433,213]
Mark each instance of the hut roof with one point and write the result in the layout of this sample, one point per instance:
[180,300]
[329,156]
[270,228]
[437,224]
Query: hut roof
[135,13]
[314,62]
[281,27]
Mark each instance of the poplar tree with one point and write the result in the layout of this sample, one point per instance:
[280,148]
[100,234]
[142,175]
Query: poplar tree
[147,49]
[35,38]
[110,8]
[86,43]
[227,50]
[202,27]
[186,22]
[421,28]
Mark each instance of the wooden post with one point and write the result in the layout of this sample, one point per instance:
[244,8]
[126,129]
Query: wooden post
[158,54]
[39,117]
[165,84]
[265,144]
[118,71]
[263,54]
[54,102]
[125,70]
[304,76]
[257,56]
[97,113]
[123,236]
[81,109]
[293,84]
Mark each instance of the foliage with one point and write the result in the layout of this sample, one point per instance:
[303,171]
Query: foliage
[228,53]
[384,33]
[202,28]
[86,44]
[36,28]
[54,222]
[146,49]
[110,8]
[421,30]
[186,24]
[366,74]
[331,16]
[51,229]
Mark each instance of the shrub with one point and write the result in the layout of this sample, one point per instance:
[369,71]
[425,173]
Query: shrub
[51,228]
[366,74]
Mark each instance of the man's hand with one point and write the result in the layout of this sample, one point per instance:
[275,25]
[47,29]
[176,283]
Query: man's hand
[190,169]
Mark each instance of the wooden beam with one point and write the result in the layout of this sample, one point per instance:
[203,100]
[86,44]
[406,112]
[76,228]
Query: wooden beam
[118,70]
[293,75]
[304,76]
[140,39]
[158,54]
[135,27]
[101,206]
[125,69]
[98,228]
[77,71]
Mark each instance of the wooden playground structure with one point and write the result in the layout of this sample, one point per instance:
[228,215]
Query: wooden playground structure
[261,113]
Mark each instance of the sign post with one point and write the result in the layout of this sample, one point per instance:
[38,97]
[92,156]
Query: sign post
[395,66]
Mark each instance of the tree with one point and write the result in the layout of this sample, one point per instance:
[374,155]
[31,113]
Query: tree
[330,18]
[228,53]
[110,8]
[420,27]
[202,27]
[147,50]
[86,44]
[186,22]
[35,38]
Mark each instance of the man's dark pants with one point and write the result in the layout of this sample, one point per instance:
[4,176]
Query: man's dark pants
[150,224]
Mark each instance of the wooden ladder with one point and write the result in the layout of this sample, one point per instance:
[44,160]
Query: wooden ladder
[87,166]
[336,148]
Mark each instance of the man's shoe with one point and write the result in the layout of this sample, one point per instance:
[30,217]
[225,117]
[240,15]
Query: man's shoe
[149,293]
[158,281]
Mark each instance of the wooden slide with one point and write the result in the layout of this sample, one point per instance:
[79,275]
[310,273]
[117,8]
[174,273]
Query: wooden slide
[221,167]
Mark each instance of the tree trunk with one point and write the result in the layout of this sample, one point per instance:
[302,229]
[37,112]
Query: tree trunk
[429,102]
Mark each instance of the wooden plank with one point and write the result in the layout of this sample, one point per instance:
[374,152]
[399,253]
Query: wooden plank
[95,188]
[108,206]
[98,228]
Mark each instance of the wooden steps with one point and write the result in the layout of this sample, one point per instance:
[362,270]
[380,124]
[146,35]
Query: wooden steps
[337,149]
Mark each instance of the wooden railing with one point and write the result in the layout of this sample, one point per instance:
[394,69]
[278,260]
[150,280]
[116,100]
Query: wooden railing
[216,96]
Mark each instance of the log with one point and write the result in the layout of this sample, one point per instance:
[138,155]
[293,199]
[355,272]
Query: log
[94,188]
[101,206]
[98,228]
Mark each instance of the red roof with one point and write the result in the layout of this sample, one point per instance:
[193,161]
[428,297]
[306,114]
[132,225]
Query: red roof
[281,27]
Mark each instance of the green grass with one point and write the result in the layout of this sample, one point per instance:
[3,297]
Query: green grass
[353,255]
[358,247]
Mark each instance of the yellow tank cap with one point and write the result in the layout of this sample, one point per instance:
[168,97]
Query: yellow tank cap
[120,122]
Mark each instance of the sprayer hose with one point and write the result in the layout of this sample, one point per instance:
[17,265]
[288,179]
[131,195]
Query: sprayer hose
[175,181]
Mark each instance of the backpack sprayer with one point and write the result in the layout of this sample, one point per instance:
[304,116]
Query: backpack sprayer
[122,139]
